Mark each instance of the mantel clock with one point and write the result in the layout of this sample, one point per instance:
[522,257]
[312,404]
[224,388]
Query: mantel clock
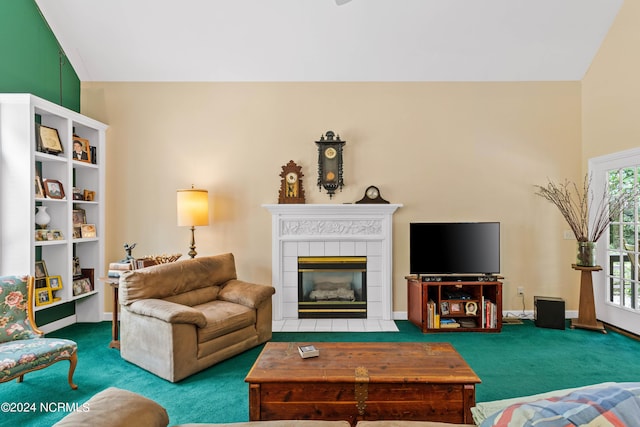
[330,162]
[291,190]
[372,195]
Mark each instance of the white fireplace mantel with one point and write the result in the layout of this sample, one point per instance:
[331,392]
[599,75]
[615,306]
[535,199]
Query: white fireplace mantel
[332,230]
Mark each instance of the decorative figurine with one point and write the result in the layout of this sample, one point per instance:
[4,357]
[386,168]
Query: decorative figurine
[128,248]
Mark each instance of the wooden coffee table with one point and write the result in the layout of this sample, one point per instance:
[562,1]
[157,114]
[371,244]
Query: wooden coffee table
[362,381]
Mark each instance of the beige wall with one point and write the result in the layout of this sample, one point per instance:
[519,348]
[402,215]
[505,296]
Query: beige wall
[611,89]
[446,151]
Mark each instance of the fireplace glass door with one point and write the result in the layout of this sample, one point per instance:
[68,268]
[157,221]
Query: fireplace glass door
[332,287]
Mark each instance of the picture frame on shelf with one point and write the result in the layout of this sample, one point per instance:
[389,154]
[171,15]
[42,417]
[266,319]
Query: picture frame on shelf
[81,286]
[41,283]
[54,283]
[79,217]
[455,307]
[43,296]
[77,232]
[43,235]
[40,270]
[81,150]
[48,140]
[77,271]
[39,189]
[56,235]
[77,194]
[88,230]
[53,188]
[89,195]
[444,308]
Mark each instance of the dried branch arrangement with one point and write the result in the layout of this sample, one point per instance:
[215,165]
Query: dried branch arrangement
[575,204]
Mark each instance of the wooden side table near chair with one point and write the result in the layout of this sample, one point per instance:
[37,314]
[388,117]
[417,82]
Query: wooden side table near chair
[115,334]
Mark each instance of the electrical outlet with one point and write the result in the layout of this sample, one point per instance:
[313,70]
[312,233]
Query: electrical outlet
[520,290]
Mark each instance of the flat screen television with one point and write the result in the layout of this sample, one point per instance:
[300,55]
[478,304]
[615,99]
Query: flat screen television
[454,248]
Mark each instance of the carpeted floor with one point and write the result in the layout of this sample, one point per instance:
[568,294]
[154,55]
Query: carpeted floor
[519,361]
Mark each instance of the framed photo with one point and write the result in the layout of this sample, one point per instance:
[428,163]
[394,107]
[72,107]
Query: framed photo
[444,308]
[77,271]
[89,195]
[455,307]
[81,286]
[77,232]
[39,188]
[471,308]
[81,150]
[79,217]
[56,235]
[77,194]
[43,235]
[48,140]
[53,189]
[43,296]
[88,230]
[40,270]
[54,283]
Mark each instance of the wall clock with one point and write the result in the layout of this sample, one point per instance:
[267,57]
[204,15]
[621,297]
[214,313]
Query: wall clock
[291,190]
[372,195]
[330,162]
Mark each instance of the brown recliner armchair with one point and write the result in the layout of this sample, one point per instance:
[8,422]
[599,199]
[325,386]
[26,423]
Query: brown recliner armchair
[180,318]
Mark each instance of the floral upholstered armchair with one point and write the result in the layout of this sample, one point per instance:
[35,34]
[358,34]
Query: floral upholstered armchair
[23,347]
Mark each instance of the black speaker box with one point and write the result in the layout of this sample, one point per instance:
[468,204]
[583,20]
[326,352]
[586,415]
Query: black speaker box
[548,312]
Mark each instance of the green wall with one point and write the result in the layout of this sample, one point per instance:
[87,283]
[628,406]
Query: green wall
[29,56]
[30,63]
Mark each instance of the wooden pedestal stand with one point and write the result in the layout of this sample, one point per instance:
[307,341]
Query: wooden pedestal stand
[587,308]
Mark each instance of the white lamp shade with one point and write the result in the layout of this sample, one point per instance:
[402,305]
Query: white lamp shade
[193,207]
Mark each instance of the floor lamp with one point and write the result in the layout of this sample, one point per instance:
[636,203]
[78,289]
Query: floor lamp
[193,211]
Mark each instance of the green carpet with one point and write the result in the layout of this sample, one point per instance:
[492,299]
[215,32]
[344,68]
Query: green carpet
[519,361]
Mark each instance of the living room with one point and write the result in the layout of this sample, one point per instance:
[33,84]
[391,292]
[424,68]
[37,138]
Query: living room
[447,150]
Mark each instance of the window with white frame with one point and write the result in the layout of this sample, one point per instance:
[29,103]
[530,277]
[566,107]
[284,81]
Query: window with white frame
[623,249]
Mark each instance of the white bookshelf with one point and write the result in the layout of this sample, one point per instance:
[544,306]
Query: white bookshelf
[19,164]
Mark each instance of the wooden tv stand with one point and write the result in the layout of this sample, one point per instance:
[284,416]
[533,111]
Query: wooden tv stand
[475,306]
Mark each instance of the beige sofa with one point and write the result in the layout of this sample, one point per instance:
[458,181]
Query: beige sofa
[180,318]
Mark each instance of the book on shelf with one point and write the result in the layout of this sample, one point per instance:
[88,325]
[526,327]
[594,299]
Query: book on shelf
[431,314]
[489,314]
[119,265]
[117,268]
[448,323]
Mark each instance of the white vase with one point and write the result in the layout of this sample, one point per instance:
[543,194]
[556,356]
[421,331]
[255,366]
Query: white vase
[42,218]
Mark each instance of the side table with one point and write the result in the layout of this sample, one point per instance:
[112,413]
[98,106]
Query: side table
[115,335]
[587,307]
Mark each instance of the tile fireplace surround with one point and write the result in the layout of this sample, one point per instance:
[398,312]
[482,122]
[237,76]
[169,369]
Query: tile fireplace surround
[332,230]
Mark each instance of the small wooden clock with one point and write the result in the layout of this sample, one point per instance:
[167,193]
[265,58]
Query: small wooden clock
[291,190]
[372,195]
[330,162]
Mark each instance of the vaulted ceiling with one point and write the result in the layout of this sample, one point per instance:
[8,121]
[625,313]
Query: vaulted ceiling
[330,40]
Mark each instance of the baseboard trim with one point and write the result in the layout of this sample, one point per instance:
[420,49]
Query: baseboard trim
[59,324]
